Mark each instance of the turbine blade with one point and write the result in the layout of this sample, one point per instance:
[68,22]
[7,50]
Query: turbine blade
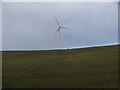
[57,22]
[56,31]
[66,28]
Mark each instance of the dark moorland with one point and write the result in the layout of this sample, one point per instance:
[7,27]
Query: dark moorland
[95,67]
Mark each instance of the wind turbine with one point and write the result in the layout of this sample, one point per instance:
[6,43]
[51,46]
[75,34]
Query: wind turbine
[58,31]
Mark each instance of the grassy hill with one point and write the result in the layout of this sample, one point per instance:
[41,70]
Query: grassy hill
[95,67]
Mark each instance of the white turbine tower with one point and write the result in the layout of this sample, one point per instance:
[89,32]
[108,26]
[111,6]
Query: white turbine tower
[58,31]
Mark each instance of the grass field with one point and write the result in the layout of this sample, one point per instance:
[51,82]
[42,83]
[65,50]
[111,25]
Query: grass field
[95,67]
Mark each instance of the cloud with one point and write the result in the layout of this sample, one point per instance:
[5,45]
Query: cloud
[32,25]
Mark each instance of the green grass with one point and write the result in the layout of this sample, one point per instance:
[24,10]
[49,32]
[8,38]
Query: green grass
[95,67]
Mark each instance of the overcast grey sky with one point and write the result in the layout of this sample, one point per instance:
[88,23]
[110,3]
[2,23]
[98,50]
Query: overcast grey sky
[32,25]
[0,26]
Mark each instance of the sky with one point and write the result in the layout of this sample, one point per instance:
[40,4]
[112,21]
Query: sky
[32,25]
[0,27]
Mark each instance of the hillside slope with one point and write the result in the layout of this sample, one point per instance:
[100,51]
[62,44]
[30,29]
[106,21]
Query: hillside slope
[95,67]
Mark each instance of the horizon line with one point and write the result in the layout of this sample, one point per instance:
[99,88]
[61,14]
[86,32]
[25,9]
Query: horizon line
[58,48]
